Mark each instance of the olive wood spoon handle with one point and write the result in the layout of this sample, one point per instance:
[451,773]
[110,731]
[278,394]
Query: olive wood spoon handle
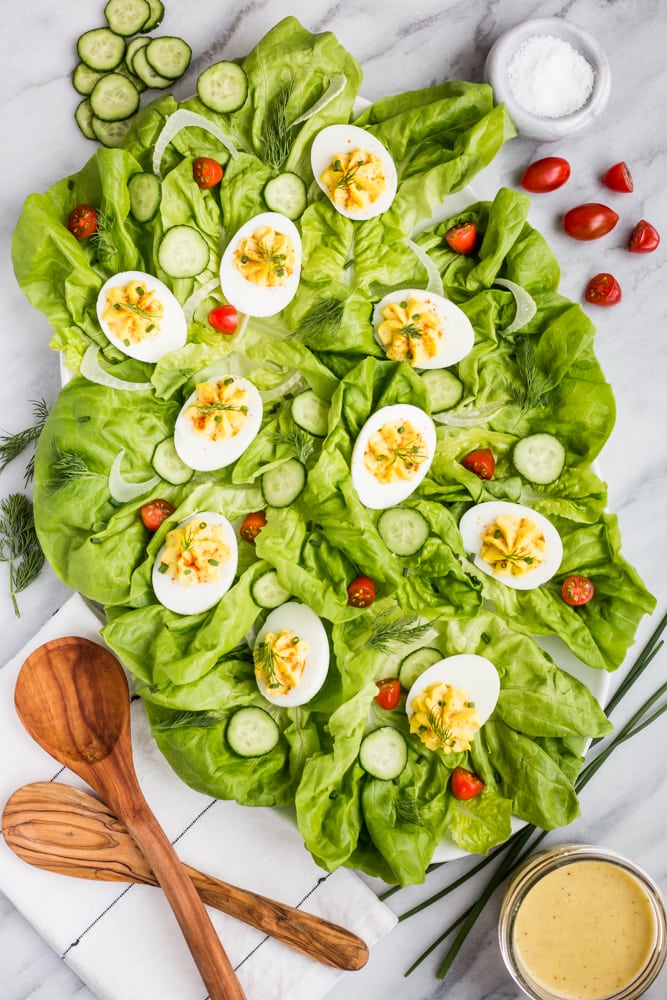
[72,697]
[62,829]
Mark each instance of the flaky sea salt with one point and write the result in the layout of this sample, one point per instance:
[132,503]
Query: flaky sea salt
[549,78]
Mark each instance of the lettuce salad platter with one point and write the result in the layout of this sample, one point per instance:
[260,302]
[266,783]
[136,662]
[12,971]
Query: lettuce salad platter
[527,373]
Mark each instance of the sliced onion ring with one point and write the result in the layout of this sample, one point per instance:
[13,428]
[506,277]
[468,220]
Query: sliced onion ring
[198,296]
[526,307]
[91,369]
[122,491]
[184,118]
[336,87]
[434,284]
[467,417]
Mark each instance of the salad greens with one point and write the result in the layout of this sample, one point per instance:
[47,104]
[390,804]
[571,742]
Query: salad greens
[194,671]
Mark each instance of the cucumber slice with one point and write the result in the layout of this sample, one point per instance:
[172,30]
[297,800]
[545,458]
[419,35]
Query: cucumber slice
[114,98]
[110,134]
[143,69]
[133,46]
[183,252]
[156,15]
[101,49]
[311,413]
[252,732]
[284,483]
[415,663]
[83,116]
[168,56]
[383,753]
[144,189]
[403,530]
[286,194]
[168,464]
[444,389]
[127,17]
[223,87]
[268,592]
[539,458]
[84,79]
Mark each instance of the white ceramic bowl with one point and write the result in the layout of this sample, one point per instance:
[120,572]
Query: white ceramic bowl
[536,126]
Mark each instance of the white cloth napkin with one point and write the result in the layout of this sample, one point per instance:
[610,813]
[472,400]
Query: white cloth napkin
[122,940]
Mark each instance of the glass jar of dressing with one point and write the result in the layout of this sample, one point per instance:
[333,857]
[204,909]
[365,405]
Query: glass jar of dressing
[580,922]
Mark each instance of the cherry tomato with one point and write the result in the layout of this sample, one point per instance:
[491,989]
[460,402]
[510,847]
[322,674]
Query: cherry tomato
[389,693]
[462,237]
[546,174]
[155,512]
[225,319]
[361,592]
[644,238]
[82,221]
[252,525]
[465,783]
[589,221]
[603,290]
[577,590]
[206,172]
[618,178]
[481,462]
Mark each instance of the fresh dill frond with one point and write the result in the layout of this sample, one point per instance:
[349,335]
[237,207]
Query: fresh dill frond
[276,141]
[531,388]
[298,440]
[11,445]
[19,545]
[388,630]
[324,320]
[409,811]
[102,240]
[190,720]
[66,468]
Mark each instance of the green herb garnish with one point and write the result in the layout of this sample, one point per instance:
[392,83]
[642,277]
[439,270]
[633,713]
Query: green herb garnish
[12,445]
[19,545]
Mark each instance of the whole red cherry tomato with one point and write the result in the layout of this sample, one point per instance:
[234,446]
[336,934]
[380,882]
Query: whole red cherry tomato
[577,590]
[82,221]
[644,238]
[481,462]
[603,290]
[546,174]
[389,693]
[462,237]
[589,221]
[465,783]
[155,512]
[206,172]
[252,525]
[361,592]
[225,319]
[618,178]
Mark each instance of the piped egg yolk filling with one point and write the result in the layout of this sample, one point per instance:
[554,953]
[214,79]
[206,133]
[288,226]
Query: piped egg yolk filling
[220,409]
[266,258]
[354,180]
[132,312]
[444,718]
[410,331]
[395,451]
[513,545]
[195,553]
[280,660]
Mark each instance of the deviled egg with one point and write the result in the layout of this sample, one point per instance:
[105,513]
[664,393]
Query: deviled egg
[291,654]
[514,544]
[217,422]
[141,316]
[355,171]
[261,265]
[422,328]
[392,454]
[196,565]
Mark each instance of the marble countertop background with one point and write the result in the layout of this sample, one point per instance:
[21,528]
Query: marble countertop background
[400,47]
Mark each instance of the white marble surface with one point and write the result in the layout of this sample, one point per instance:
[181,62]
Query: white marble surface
[400,46]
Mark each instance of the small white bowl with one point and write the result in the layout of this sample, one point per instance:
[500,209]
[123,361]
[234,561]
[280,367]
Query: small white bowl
[536,126]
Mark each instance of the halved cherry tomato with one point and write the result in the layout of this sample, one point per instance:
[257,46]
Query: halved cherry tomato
[206,172]
[465,783]
[462,237]
[155,512]
[619,178]
[546,174]
[481,462]
[389,693]
[252,525]
[83,221]
[589,221]
[361,592]
[577,590]
[644,238]
[603,290]
[224,319]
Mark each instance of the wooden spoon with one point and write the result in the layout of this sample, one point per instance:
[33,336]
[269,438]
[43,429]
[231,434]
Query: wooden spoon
[72,697]
[65,830]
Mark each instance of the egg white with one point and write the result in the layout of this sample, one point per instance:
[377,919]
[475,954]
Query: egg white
[246,296]
[198,451]
[173,325]
[336,139]
[475,520]
[191,599]
[458,336]
[306,625]
[473,674]
[376,495]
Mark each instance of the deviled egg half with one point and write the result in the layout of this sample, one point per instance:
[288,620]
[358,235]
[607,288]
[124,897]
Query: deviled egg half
[291,654]
[141,316]
[422,328]
[514,544]
[355,171]
[392,454]
[261,265]
[196,565]
[217,422]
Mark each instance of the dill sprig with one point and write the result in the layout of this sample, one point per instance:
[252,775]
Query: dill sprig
[66,468]
[19,545]
[388,630]
[267,663]
[531,387]
[326,317]
[190,720]
[347,176]
[275,135]
[11,445]
[298,440]
[102,240]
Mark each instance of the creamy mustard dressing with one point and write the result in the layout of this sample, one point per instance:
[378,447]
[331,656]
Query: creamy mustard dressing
[585,930]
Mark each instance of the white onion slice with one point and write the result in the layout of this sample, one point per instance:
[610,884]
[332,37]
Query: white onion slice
[434,284]
[197,296]
[120,489]
[468,417]
[184,118]
[291,384]
[91,369]
[526,307]
[336,87]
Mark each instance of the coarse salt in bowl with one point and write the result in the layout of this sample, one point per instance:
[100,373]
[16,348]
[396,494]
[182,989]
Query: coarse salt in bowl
[552,76]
